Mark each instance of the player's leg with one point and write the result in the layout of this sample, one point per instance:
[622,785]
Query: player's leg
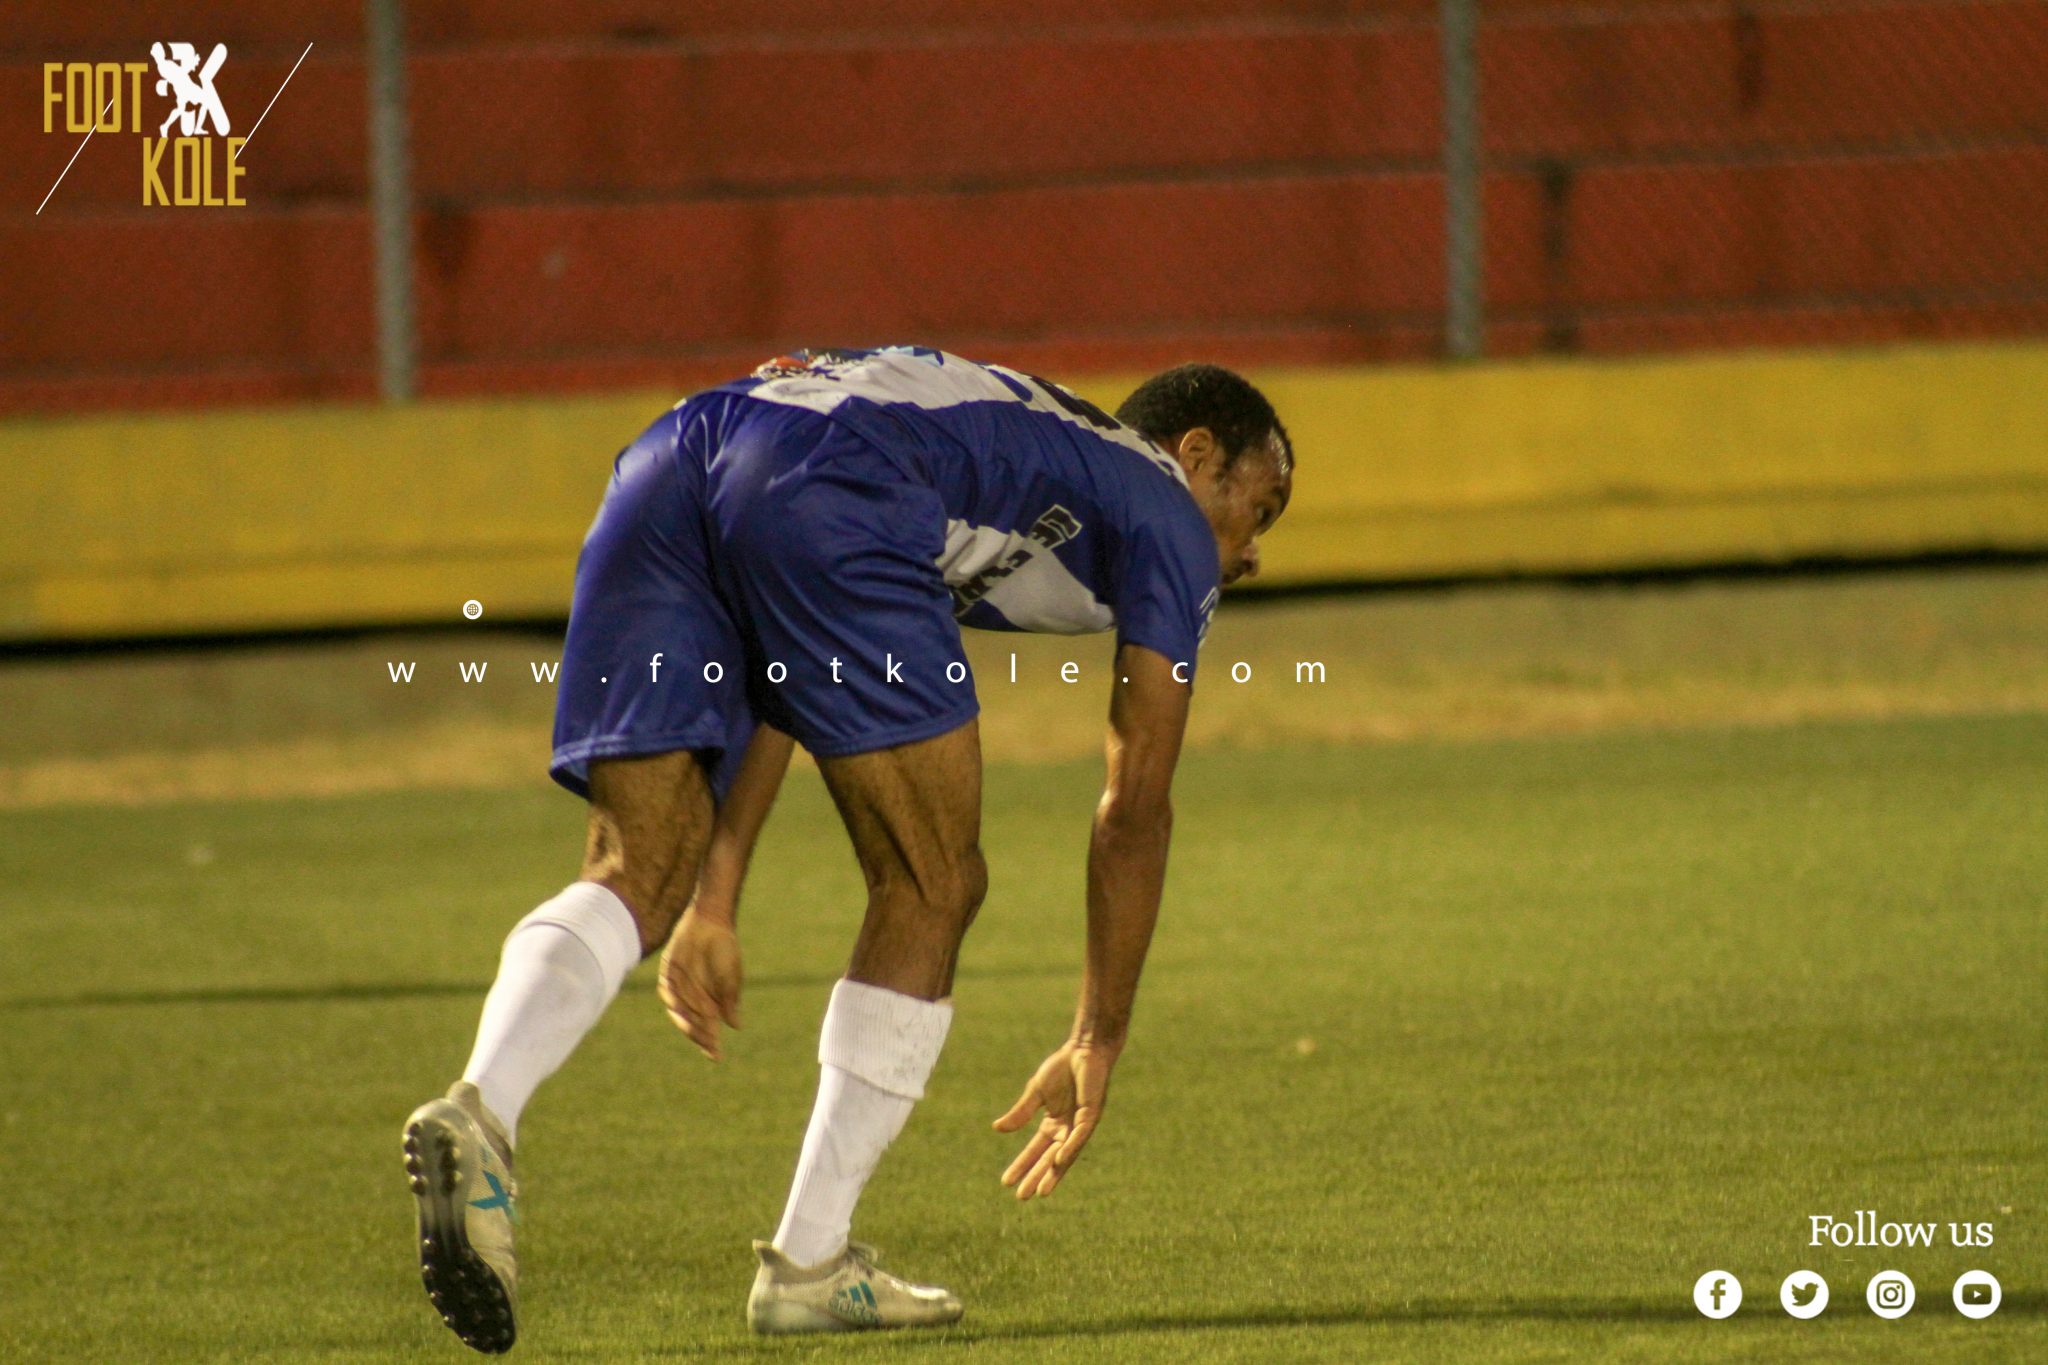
[559,971]
[914,815]
[828,551]
[634,742]
[561,966]
[629,736]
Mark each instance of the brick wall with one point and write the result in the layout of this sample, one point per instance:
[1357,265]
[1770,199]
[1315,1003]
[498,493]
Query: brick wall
[661,194]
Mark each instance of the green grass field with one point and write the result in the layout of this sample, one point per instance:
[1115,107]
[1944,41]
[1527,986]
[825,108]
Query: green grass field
[1471,1050]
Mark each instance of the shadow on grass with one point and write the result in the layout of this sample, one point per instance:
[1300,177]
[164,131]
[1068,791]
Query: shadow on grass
[1414,1312]
[419,990]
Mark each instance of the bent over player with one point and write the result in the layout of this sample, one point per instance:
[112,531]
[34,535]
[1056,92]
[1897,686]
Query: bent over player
[789,558]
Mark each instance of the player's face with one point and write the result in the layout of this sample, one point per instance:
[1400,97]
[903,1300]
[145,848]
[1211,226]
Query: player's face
[1243,497]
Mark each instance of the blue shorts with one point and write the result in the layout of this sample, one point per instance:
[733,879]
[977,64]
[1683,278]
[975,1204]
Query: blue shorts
[784,571]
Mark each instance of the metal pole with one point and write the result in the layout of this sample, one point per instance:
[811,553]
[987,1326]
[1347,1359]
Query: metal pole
[1464,324]
[391,201]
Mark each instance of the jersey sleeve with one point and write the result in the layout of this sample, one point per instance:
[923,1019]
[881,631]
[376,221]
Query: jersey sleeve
[1167,585]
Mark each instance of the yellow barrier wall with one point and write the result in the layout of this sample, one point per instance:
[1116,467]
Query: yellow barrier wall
[307,517]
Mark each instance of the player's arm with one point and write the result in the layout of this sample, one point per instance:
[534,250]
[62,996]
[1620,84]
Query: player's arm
[699,979]
[739,823]
[1126,872]
[1127,846]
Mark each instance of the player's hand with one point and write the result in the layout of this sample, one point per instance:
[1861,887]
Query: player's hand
[699,980]
[1071,1086]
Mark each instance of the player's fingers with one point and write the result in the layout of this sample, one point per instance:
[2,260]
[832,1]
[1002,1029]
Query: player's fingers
[1025,1160]
[697,1019]
[1064,1155]
[1033,1184]
[729,1003]
[671,1003]
[1019,1113]
[703,1031]
[1040,1142]
[1034,1179]
[679,993]
[697,998]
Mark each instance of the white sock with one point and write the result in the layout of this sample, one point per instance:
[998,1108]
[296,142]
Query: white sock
[561,967]
[875,1053]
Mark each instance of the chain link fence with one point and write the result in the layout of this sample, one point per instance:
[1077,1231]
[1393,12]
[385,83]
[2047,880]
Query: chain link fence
[1769,173]
[637,193]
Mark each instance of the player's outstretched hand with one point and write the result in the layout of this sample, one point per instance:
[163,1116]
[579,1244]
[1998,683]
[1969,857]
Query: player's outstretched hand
[1071,1086]
[699,979]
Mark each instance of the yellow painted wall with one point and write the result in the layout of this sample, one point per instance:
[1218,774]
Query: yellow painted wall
[178,523]
[1564,466]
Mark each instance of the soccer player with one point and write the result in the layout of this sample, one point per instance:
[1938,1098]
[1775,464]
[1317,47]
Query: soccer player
[789,558]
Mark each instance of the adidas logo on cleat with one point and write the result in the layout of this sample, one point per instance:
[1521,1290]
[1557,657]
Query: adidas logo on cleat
[855,1303]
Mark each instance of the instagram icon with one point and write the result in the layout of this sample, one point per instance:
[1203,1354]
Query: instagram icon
[1889,1294]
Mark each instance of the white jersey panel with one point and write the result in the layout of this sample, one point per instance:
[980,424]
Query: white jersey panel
[934,381]
[1019,575]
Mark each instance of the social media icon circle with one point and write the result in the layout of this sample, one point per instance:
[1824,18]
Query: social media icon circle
[1889,1294]
[1978,1293]
[1804,1294]
[1717,1294]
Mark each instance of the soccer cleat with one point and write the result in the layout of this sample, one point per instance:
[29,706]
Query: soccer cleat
[460,1168]
[844,1294]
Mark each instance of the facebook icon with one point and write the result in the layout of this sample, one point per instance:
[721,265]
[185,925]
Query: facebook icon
[1717,1294]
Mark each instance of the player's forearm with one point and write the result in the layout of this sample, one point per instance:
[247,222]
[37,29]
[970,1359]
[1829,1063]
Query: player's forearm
[1126,872]
[739,823]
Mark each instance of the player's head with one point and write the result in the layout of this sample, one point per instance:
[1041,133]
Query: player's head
[1228,439]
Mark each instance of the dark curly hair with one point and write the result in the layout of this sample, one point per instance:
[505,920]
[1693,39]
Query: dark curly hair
[1197,395]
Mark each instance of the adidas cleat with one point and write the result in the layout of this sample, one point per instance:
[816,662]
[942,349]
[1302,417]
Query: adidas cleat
[460,1168]
[845,1294]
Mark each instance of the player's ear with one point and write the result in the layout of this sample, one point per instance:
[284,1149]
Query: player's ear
[1197,450]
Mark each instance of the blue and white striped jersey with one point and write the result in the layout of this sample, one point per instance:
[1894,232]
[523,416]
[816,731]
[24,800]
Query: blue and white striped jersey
[1060,519]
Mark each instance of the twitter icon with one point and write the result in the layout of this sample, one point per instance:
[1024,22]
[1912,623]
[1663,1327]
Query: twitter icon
[1804,1294]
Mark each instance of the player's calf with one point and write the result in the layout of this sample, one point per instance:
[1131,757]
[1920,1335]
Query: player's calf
[650,820]
[911,934]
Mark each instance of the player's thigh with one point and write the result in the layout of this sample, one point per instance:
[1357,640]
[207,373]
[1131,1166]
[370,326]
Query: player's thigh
[828,554]
[913,812]
[652,662]
[650,821]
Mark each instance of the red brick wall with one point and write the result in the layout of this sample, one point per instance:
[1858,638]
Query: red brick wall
[662,193]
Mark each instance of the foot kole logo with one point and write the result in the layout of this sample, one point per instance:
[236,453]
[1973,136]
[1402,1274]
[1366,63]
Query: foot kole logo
[197,100]
[189,158]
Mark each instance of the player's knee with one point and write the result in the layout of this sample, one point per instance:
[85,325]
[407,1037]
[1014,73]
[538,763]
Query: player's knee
[650,819]
[974,886]
[957,893]
[652,887]
[941,901]
[656,923]
[654,910]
